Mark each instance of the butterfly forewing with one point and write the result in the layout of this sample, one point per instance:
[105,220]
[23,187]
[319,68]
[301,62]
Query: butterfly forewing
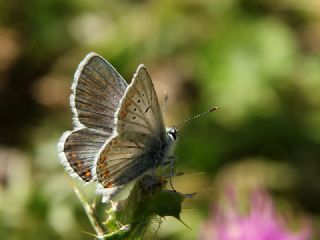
[96,92]
[140,133]
[139,110]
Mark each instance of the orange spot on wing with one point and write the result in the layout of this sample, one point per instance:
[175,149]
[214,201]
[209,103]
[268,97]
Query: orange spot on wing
[109,185]
[123,114]
[106,173]
[127,103]
[102,165]
[79,164]
[87,174]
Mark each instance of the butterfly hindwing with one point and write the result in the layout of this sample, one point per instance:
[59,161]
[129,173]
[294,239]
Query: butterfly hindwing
[77,151]
[117,161]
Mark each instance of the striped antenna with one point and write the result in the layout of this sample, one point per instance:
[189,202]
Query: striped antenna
[164,108]
[194,117]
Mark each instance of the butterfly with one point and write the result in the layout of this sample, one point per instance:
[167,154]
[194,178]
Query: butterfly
[119,132]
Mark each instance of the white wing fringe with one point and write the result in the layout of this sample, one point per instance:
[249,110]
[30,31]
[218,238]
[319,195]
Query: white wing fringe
[107,193]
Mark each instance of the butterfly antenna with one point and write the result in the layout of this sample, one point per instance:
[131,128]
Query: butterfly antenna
[164,108]
[194,117]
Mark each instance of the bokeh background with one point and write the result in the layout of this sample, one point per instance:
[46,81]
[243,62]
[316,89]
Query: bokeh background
[259,61]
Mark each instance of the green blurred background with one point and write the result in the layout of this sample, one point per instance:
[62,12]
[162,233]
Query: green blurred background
[259,61]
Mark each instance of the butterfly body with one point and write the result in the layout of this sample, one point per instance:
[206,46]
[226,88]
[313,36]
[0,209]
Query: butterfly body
[119,131]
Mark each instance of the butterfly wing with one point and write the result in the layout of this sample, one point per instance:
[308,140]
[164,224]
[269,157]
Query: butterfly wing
[140,110]
[96,92]
[78,149]
[138,142]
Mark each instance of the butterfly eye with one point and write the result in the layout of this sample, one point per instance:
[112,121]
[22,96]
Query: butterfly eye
[172,134]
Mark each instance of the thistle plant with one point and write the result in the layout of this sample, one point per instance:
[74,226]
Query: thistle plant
[261,221]
[140,214]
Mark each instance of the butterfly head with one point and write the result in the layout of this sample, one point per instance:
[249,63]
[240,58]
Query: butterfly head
[172,133]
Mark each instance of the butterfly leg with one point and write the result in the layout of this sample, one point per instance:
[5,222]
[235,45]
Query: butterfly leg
[172,159]
[122,227]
